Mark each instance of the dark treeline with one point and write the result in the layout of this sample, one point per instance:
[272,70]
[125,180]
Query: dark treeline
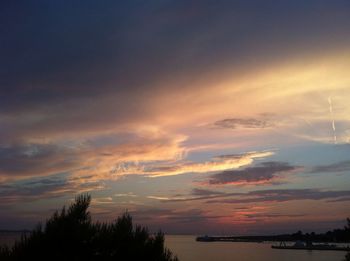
[71,235]
[335,236]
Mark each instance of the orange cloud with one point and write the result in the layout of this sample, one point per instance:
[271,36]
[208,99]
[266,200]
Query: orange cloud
[216,164]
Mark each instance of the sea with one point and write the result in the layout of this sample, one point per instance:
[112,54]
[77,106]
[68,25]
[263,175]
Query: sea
[188,249]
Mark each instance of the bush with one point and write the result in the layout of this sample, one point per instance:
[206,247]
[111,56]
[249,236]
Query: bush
[347,257]
[71,235]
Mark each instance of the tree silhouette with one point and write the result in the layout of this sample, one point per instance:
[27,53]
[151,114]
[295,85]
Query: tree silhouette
[347,257]
[71,235]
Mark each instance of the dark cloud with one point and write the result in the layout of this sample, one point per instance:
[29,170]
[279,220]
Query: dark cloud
[343,199]
[30,190]
[258,196]
[20,160]
[35,159]
[283,195]
[341,166]
[264,172]
[180,221]
[205,192]
[201,194]
[42,188]
[187,216]
[68,67]
[272,215]
[249,123]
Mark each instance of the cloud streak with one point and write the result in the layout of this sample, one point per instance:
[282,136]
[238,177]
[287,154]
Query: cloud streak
[341,166]
[36,160]
[266,172]
[333,122]
[247,123]
[54,186]
[99,158]
[219,163]
[178,216]
[284,195]
[263,196]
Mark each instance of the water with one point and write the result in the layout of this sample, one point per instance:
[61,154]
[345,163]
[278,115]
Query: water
[187,249]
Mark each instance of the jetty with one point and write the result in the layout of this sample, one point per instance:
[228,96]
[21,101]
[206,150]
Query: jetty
[310,246]
[227,239]
[298,245]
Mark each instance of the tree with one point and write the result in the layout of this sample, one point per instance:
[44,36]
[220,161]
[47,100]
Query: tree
[71,235]
[347,257]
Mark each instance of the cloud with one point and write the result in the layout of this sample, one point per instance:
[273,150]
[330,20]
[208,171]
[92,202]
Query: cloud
[129,194]
[120,88]
[67,93]
[341,166]
[223,162]
[103,201]
[205,192]
[98,158]
[271,215]
[170,215]
[157,197]
[283,195]
[247,123]
[36,159]
[197,195]
[261,196]
[152,153]
[43,188]
[265,172]
[123,58]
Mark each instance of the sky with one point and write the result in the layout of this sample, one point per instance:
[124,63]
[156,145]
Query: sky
[196,117]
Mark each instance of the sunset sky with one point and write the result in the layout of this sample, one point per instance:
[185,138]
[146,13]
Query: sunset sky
[219,117]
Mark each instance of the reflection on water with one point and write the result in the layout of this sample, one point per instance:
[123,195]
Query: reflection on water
[187,249]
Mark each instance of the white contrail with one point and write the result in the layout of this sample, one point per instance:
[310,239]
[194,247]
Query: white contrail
[333,123]
[330,103]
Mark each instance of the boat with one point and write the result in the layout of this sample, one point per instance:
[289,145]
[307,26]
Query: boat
[310,246]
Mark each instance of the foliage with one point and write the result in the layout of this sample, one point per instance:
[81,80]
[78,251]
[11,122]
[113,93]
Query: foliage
[336,235]
[71,235]
[347,257]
